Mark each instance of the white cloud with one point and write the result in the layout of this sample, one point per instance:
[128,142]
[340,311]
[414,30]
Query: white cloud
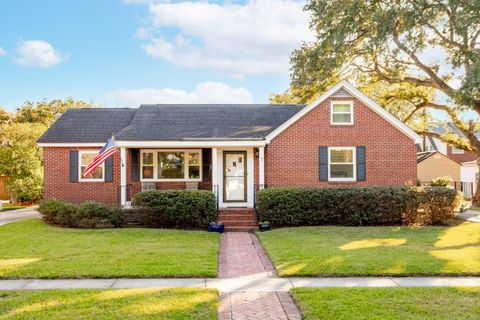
[37,53]
[2,52]
[205,92]
[253,38]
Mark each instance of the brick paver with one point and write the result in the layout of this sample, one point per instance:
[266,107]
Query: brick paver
[242,255]
[257,305]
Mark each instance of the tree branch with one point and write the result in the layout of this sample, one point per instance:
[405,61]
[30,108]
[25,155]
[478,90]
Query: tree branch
[473,42]
[450,41]
[440,84]
[412,80]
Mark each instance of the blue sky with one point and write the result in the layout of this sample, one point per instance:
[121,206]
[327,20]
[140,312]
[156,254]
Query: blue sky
[121,53]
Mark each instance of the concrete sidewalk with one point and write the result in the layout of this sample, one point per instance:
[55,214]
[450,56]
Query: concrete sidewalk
[18,215]
[470,215]
[241,284]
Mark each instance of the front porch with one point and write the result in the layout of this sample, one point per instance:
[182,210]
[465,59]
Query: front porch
[233,171]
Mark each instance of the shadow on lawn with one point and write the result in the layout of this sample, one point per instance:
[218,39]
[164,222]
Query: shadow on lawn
[111,304]
[342,251]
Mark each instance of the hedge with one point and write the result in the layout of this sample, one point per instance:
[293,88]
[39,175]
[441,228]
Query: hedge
[175,208]
[86,215]
[357,206]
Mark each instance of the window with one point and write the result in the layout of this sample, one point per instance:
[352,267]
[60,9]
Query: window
[457,150]
[341,112]
[84,158]
[341,164]
[171,165]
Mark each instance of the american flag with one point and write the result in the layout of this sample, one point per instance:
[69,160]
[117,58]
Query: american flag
[107,151]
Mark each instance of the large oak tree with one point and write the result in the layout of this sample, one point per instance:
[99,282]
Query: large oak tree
[414,55]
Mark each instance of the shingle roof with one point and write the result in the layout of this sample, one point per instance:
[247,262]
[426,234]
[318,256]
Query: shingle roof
[88,125]
[171,122]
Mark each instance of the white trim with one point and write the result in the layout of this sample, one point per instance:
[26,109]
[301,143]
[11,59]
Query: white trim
[261,167]
[354,164]
[190,144]
[350,103]
[359,95]
[80,179]
[214,171]
[161,144]
[123,177]
[73,145]
[155,165]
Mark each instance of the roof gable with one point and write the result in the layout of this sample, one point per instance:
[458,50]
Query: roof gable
[345,87]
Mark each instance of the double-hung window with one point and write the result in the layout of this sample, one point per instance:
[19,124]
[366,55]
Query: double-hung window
[171,165]
[341,113]
[341,164]
[84,158]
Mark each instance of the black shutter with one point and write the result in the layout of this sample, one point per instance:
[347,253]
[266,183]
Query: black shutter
[323,163]
[135,167]
[73,166]
[361,172]
[206,164]
[109,169]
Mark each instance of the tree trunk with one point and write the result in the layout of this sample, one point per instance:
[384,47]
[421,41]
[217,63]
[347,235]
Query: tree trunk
[476,197]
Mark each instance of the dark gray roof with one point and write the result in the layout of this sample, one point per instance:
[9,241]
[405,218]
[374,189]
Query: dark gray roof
[88,125]
[171,122]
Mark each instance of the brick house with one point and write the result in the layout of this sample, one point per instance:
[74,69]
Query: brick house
[341,138]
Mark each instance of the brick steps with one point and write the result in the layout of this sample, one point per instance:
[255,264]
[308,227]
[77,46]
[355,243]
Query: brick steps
[238,219]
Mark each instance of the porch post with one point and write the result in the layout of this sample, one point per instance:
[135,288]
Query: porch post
[261,167]
[123,177]
[214,171]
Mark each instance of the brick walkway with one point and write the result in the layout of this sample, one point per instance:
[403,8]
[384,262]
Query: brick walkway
[242,255]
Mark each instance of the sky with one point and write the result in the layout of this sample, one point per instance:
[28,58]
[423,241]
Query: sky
[121,53]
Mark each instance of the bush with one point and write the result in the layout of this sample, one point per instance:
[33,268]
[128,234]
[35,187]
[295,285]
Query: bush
[87,215]
[441,181]
[356,205]
[58,212]
[176,208]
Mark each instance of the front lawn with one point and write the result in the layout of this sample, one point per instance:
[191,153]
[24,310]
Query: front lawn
[110,304]
[343,251]
[32,249]
[389,303]
[10,207]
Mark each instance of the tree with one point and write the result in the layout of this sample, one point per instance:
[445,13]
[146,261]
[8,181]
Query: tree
[21,158]
[389,44]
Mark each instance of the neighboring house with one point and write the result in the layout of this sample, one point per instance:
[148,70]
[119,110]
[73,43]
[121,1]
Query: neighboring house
[434,164]
[341,138]
[468,169]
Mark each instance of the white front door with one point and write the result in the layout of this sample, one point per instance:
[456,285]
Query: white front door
[235,182]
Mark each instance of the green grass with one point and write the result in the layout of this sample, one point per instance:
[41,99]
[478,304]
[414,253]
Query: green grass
[110,304]
[32,249]
[10,207]
[342,251]
[389,303]
[474,208]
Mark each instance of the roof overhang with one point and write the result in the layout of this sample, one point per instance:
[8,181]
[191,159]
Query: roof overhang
[163,144]
[347,86]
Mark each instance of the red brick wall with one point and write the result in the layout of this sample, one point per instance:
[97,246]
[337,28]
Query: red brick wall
[291,159]
[465,157]
[57,179]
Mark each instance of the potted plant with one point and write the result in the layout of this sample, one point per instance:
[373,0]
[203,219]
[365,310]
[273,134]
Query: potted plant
[216,227]
[264,225]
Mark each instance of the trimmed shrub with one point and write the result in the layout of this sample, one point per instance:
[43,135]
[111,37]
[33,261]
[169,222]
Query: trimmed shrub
[441,181]
[356,205]
[175,208]
[58,212]
[87,215]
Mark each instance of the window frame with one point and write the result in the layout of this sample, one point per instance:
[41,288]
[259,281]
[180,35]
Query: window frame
[80,177]
[351,113]
[186,165]
[354,164]
[457,150]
